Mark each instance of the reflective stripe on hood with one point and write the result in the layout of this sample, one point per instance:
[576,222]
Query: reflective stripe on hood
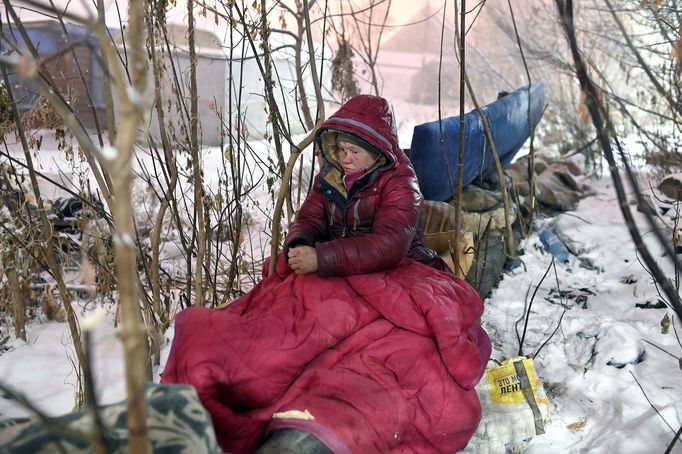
[364,127]
[369,118]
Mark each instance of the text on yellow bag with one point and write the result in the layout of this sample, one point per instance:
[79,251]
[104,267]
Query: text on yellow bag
[505,385]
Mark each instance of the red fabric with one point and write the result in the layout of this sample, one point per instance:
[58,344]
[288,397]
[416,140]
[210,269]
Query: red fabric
[351,177]
[378,224]
[385,361]
[382,350]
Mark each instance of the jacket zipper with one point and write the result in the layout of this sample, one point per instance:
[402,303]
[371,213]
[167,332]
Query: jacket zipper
[356,214]
[344,234]
[344,212]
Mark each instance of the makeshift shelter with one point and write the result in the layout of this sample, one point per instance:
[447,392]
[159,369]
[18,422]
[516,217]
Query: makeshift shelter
[66,53]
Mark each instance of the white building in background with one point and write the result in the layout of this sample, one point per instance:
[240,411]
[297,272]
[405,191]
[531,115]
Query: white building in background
[228,74]
[221,51]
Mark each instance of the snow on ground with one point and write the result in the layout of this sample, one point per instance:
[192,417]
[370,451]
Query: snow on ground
[41,369]
[603,405]
[595,407]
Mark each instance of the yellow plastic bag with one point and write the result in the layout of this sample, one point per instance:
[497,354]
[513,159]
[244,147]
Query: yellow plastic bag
[505,384]
[515,408]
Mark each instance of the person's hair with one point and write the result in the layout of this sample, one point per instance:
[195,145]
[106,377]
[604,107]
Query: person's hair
[355,140]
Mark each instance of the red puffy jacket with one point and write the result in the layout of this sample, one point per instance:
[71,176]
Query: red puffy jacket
[375,224]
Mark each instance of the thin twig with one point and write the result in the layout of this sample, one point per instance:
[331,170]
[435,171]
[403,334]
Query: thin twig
[661,349]
[606,132]
[523,314]
[99,431]
[674,440]
[531,128]
[677,336]
[650,403]
[530,305]
[561,318]
[454,250]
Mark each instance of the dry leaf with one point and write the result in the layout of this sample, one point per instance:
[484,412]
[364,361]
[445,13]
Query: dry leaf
[88,274]
[51,308]
[629,279]
[577,425]
[665,324]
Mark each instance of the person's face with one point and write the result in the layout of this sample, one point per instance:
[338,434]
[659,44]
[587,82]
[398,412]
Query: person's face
[353,157]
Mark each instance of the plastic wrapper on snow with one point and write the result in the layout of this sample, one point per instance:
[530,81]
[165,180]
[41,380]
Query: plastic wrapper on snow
[554,246]
[580,351]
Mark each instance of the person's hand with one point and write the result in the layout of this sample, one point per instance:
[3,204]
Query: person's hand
[303,259]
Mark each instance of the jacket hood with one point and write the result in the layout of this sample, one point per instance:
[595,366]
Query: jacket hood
[368,117]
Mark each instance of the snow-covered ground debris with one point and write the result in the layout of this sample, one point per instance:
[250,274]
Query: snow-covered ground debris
[611,375]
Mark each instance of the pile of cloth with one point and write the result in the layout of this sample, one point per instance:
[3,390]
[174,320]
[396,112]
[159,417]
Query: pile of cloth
[482,229]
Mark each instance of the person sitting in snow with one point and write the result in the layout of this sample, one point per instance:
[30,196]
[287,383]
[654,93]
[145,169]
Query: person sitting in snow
[347,204]
[361,340]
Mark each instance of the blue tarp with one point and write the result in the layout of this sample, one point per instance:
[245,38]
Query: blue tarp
[509,124]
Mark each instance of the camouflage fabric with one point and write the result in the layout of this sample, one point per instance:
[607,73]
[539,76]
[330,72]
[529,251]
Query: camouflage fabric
[177,423]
